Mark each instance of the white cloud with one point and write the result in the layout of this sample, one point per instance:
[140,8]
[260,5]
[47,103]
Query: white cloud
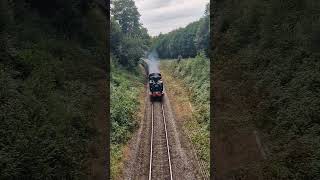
[166,15]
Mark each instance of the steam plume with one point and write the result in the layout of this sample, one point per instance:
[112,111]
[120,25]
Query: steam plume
[153,62]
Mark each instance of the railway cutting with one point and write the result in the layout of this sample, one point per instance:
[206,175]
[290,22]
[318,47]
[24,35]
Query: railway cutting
[160,150]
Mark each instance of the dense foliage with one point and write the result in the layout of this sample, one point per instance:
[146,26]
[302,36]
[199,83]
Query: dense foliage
[129,41]
[194,73]
[187,42]
[50,60]
[267,52]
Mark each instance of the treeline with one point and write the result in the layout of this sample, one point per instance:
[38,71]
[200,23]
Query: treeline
[266,63]
[52,53]
[187,42]
[129,41]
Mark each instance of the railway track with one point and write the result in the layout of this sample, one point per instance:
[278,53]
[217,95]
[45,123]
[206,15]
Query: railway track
[159,151]
[160,166]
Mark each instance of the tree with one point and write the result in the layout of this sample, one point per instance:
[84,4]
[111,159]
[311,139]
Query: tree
[203,35]
[115,36]
[130,51]
[129,39]
[126,13]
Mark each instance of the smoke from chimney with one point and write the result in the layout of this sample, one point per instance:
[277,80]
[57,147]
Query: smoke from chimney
[153,62]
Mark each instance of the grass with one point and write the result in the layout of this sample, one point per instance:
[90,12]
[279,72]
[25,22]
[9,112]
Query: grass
[192,74]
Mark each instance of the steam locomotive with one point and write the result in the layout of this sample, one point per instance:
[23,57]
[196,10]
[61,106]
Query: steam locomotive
[156,86]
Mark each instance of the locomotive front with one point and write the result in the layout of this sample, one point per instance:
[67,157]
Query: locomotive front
[156,86]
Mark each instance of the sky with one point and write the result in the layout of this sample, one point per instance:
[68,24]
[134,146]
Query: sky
[167,15]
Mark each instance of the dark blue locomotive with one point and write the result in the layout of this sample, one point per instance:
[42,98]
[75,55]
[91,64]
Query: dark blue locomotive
[156,86]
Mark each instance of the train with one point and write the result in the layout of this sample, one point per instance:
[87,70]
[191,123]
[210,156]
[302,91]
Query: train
[156,87]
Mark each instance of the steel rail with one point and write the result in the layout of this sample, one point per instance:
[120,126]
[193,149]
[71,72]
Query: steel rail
[151,141]
[151,151]
[168,147]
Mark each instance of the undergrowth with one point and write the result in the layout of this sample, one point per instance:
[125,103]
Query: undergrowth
[125,89]
[194,73]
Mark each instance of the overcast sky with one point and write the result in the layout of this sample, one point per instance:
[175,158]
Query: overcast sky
[166,15]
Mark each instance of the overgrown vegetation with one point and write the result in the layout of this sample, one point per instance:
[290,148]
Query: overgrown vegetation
[187,42]
[125,89]
[51,57]
[129,41]
[267,52]
[194,73]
